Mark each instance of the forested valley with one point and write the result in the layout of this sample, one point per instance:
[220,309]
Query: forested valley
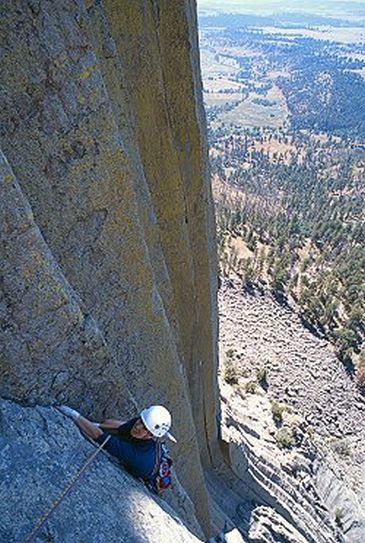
[286,114]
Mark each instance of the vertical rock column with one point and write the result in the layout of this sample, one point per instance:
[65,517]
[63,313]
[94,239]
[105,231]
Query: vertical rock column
[158,42]
[182,78]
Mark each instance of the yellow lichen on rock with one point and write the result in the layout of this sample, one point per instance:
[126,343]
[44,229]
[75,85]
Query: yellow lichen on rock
[103,127]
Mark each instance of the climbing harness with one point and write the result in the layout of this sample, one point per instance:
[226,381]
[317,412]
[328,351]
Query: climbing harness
[66,490]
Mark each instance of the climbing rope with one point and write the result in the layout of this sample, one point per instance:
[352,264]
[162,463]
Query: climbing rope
[65,491]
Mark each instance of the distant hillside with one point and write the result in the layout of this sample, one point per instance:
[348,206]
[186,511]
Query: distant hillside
[351,10]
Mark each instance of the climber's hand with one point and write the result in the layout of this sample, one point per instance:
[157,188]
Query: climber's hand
[72,413]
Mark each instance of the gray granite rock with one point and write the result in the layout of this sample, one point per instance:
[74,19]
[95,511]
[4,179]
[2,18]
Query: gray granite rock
[40,453]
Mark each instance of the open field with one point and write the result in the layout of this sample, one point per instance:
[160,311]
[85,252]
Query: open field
[219,91]
[220,72]
[249,114]
[214,64]
[216,99]
[238,70]
[274,147]
[341,35]
[240,51]
[221,84]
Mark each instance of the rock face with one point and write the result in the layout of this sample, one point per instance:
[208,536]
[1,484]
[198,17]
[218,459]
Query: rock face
[345,504]
[107,262]
[280,501]
[311,489]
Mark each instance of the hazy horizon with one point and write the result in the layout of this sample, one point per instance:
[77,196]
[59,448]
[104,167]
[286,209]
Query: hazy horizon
[331,8]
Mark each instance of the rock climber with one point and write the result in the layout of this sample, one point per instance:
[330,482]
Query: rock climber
[133,443]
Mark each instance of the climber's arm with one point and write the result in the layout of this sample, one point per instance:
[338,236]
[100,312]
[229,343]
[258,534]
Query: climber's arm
[89,428]
[111,425]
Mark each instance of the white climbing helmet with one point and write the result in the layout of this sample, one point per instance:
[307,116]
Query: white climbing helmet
[157,420]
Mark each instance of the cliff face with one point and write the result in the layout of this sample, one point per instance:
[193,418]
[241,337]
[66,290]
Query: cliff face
[107,267]
[301,471]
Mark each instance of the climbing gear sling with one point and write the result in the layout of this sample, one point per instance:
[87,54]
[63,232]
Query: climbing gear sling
[161,478]
[65,491]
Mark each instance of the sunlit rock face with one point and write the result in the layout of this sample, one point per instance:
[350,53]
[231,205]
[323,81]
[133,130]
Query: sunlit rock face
[107,245]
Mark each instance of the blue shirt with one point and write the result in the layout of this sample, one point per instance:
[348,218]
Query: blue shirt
[138,456]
